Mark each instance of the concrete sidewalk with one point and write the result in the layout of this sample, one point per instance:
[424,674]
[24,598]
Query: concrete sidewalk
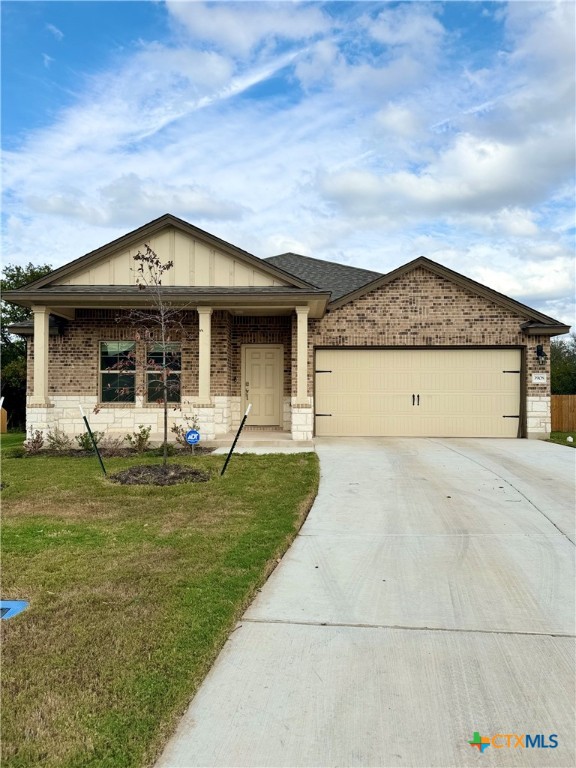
[429,595]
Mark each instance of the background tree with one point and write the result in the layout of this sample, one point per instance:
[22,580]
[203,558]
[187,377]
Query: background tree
[563,365]
[13,362]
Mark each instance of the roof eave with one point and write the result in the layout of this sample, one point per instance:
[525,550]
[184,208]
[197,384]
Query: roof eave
[27,329]
[58,302]
[543,329]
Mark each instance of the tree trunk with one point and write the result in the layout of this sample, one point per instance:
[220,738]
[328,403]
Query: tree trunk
[165,404]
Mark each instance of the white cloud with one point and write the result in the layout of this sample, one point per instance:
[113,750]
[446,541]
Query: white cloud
[57,33]
[516,222]
[317,64]
[407,25]
[532,282]
[471,175]
[47,60]
[128,200]
[400,120]
[375,83]
[542,35]
[241,27]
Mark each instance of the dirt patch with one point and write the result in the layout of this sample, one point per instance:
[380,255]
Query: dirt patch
[152,474]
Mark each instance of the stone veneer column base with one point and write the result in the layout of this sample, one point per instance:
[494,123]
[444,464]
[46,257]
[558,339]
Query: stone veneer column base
[205,417]
[39,417]
[538,417]
[302,420]
[222,414]
[235,403]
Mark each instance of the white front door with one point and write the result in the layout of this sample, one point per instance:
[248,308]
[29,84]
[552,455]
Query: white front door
[262,384]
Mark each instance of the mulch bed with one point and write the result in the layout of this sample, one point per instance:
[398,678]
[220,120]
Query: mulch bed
[153,474]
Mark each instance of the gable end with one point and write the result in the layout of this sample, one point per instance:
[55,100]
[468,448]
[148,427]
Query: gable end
[200,259]
[466,283]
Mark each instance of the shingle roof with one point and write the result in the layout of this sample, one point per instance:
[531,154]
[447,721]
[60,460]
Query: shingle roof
[340,279]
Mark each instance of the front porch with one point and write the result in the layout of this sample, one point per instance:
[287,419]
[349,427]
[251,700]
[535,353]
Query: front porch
[259,438]
[229,359]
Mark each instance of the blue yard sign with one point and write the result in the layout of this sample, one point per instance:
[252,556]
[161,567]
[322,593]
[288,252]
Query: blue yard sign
[9,608]
[192,436]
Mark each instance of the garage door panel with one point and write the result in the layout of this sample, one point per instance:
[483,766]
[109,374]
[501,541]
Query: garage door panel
[471,404]
[427,427]
[359,404]
[462,393]
[379,426]
[346,426]
[469,381]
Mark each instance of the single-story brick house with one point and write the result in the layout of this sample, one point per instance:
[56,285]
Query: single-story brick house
[318,348]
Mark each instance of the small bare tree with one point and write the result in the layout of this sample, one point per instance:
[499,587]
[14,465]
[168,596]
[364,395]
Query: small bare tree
[158,327]
[158,332]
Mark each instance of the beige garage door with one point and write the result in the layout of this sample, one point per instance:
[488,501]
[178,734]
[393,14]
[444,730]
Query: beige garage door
[426,393]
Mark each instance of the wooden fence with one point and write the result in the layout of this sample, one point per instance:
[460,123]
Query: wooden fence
[563,413]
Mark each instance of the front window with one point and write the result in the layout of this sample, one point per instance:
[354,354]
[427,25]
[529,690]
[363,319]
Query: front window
[117,371]
[163,356]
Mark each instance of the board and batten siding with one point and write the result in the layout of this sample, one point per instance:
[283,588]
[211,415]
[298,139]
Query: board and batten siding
[195,264]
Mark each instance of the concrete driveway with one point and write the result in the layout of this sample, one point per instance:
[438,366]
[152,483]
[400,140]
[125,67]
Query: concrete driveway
[430,595]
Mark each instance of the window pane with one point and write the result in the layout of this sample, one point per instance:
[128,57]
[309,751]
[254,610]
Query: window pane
[156,389]
[173,357]
[117,355]
[117,388]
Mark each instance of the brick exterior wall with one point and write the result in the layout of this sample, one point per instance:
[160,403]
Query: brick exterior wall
[219,358]
[421,308]
[74,356]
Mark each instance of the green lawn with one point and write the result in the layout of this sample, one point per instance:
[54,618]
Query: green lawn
[133,591]
[12,439]
[560,438]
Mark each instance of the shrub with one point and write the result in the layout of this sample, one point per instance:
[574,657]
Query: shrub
[58,440]
[85,442]
[35,442]
[112,445]
[140,439]
[180,430]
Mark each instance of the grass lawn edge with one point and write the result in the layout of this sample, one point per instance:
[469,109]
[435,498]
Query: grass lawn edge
[170,725]
[559,438]
[252,515]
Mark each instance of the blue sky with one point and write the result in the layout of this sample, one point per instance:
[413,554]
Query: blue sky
[367,133]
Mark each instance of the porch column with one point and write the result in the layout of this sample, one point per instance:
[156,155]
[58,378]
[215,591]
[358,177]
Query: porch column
[204,345]
[302,356]
[41,335]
